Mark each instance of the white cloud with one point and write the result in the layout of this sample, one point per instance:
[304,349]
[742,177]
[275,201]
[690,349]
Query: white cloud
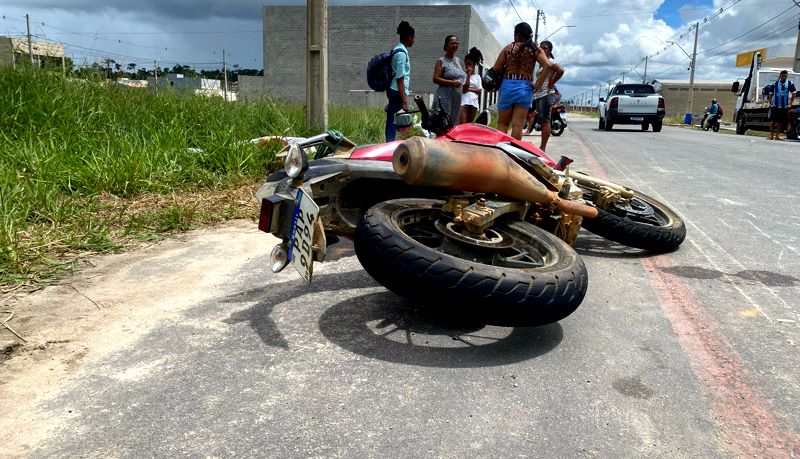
[609,37]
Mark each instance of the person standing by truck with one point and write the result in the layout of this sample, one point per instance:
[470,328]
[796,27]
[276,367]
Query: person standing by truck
[779,104]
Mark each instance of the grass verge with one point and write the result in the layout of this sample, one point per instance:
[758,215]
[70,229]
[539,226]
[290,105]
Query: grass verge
[87,167]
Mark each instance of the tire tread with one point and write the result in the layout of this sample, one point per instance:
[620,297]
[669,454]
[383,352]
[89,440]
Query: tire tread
[525,298]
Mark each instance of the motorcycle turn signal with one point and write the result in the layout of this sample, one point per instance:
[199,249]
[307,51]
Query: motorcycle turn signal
[296,162]
[279,258]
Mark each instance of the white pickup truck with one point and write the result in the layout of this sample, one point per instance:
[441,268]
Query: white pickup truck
[632,104]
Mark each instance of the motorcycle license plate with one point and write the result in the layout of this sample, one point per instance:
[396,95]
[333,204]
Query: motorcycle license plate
[301,238]
[637,118]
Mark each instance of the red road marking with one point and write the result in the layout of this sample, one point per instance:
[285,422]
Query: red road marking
[741,413]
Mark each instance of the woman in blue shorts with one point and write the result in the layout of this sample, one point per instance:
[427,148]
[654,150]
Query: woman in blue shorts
[515,63]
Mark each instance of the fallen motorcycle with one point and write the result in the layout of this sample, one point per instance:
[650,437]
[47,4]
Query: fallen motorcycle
[473,221]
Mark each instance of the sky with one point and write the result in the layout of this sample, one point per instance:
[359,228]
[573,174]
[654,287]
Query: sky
[595,40]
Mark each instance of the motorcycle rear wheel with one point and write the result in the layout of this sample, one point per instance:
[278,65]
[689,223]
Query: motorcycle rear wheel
[533,278]
[557,127]
[645,224]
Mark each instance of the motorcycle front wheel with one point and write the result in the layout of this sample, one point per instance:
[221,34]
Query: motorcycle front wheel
[557,127]
[517,275]
[645,223]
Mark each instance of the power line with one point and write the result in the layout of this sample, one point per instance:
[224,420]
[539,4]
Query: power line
[705,20]
[511,2]
[749,31]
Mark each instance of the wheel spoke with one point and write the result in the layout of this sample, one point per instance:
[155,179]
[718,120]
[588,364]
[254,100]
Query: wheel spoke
[520,255]
[521,259]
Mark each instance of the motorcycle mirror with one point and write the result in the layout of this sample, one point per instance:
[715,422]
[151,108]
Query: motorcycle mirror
[484,118]
[403,119]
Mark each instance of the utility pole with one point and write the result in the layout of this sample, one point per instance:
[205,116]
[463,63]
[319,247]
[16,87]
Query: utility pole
[30,42]
[623,77]
[317,64]
[691,74]
[155,74]
[796,66]
[644,77]
[591,99]
[224,76]
[536,33]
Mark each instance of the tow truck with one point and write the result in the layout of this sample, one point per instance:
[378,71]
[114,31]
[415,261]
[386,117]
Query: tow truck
[752,103]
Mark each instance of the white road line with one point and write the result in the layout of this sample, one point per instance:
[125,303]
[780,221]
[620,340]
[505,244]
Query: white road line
[728,278]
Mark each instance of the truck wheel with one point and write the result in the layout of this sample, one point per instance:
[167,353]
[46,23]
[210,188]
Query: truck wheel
[645,126]
[602,124]
[608,125]
[657,126]
[741,124]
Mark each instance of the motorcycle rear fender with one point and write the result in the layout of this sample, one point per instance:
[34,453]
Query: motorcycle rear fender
[344,189]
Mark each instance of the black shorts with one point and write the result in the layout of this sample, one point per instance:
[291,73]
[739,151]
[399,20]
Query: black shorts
[543,106]
[778,115]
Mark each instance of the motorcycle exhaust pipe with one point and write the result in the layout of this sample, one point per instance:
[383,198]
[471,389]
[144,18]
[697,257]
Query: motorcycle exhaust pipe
[468,167]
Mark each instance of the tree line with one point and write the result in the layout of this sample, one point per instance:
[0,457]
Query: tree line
[111,69]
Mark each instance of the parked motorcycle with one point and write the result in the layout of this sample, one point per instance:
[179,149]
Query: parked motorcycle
[558,119]
[473,221]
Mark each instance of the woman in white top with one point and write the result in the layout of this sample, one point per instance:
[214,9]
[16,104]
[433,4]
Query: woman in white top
[472,87]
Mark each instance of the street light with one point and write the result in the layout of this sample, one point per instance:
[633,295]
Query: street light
[687,119]
[681,47]
[562,27]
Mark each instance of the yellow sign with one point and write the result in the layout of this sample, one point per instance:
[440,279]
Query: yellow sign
[745,59]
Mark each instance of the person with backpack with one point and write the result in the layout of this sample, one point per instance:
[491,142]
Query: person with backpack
[398,91]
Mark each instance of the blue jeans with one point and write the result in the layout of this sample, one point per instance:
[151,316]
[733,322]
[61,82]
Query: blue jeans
[394,105]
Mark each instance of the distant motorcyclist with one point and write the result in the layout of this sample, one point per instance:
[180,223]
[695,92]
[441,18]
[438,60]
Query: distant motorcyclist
[711,113]
[713,108]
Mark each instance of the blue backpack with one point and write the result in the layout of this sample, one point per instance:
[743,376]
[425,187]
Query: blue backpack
[379,70]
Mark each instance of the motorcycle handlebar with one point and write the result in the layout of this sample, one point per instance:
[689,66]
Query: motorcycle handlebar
[423,111]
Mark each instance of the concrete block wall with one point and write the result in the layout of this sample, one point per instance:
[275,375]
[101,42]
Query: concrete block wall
[252,87]
[676,100]
[355,34]
[6,51]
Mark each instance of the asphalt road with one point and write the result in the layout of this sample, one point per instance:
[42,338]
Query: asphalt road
[690,354]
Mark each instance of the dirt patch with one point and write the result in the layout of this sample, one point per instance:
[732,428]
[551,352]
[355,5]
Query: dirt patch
[103,309]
